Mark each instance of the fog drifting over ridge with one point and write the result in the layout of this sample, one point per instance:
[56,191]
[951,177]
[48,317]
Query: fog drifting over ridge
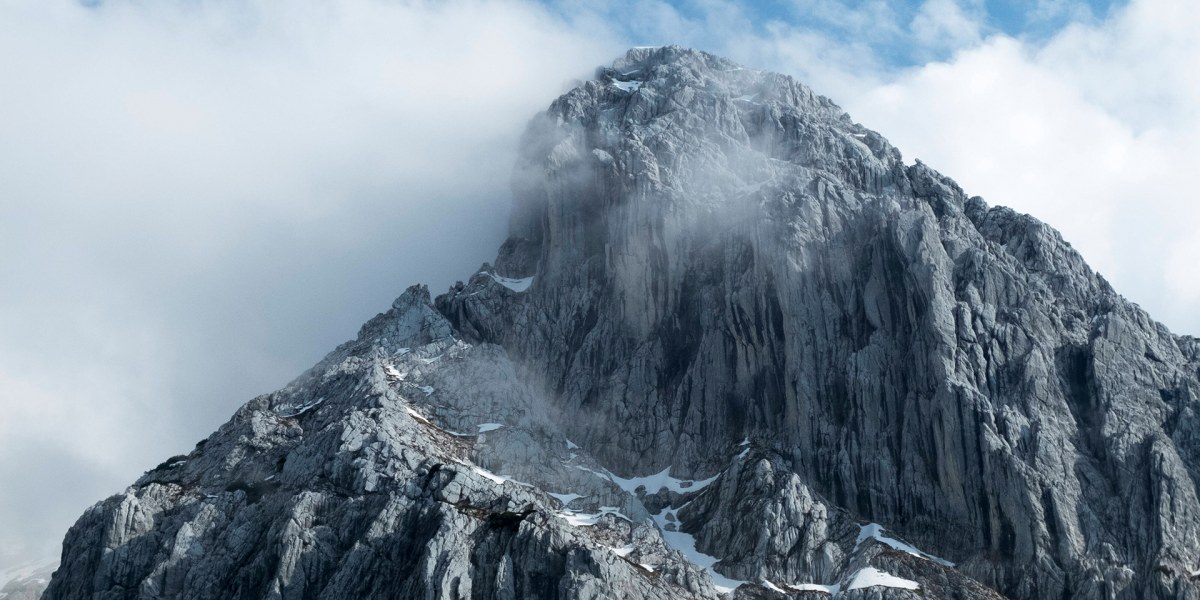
[198,200]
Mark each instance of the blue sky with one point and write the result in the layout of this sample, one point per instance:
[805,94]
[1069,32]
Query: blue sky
[887,27]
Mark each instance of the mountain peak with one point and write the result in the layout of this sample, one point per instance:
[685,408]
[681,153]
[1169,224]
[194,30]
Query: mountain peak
[645,58]
[732,345]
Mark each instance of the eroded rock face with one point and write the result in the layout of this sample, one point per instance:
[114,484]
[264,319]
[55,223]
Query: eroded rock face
[729,330]
[362,479]
[720,254]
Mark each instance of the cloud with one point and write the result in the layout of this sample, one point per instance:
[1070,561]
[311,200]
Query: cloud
[942,24]
[1094,131]
[197,200]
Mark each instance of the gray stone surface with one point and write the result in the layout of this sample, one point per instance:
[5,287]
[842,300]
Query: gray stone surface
[734,283]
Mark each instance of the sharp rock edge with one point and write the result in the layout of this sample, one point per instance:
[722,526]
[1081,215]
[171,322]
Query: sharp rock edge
[828,357]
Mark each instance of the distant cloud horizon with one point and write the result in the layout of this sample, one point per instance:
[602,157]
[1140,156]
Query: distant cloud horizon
[199,200]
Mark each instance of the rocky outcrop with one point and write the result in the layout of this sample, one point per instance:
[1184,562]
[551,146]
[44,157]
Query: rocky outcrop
[733,345]
[362,480]
[720,253]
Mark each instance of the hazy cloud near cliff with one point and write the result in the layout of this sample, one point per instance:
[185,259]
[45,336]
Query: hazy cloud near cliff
[197,200]
[1095,131]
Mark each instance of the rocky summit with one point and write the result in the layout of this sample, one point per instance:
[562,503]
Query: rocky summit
[732,347]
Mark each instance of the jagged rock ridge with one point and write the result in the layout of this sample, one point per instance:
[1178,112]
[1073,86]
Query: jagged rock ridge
[715,276]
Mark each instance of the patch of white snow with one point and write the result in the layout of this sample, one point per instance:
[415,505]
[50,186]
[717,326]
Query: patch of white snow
[627,86]
[299,410]
[660,481]
[516,285]
[490,475]
[564,498]
[870,576]
[770,586]
[686,545]
[416,415]
[486,427]
[875,531]
[832,590]
[580,519]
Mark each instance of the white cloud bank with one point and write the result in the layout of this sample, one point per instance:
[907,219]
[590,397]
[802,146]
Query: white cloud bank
[199,199]
[1096,132]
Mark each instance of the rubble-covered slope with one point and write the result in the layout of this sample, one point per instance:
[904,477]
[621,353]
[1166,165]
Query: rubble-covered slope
[733,345]
[375,475]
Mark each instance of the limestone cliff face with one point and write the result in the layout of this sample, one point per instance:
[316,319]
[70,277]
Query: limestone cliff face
[733,344]
[720,254]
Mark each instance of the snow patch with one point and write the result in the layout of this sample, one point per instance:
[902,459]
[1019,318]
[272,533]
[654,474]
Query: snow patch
[770,586]
[832,590]
[499,479]
[627,86]
[623,551]
[580,519]
[571,445]
[660,481]
[875,531]
[870,576]
[486,427]
[393,373]
[516,285]
[298,410]
[424,388]
[416,415]
[686,545]
[564,498]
